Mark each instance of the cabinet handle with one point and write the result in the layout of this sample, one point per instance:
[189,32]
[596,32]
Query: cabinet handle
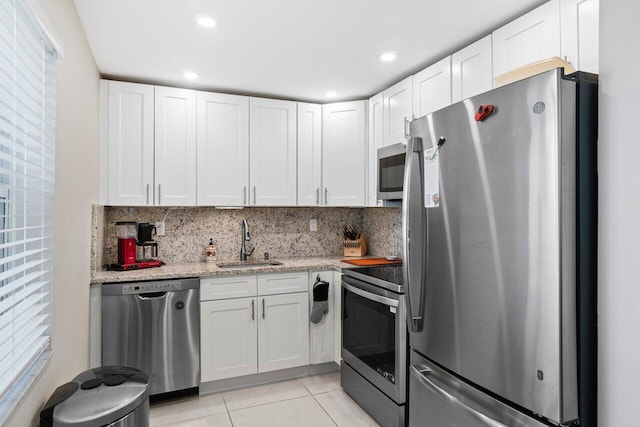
[159,202]
[147,193]
[263,308]
[317,195]
[326,198]
[253,310]
[254,195]
[406,128]
[244,195]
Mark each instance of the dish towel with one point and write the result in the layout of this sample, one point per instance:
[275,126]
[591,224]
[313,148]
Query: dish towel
[320,300]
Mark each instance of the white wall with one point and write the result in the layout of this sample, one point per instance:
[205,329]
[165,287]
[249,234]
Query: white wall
[77,146]
[619,211]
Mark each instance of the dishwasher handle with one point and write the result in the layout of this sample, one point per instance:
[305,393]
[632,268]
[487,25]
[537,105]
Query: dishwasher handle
[151,295]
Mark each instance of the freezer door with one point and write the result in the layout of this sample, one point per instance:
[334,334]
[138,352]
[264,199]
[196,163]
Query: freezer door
[497,294]
[437,399]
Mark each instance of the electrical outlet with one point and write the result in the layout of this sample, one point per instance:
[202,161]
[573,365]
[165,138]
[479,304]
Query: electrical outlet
[313,225]
[160,228]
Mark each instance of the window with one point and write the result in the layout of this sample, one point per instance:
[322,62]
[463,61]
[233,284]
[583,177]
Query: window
[27,96]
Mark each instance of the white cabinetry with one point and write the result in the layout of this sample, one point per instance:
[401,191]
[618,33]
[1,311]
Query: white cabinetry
[530,38]
[272,152]
[579,32]
[248,324]
[309,154]
[398,107]
[283,331]
[130,144]
[228,338]
[376,128]
[322,334]
[432,88]
[471,70]
[175,146]
[343,160]
[223,149]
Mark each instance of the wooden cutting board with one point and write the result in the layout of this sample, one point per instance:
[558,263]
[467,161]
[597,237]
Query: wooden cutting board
[372,261]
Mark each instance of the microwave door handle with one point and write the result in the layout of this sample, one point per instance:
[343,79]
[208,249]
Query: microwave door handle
[413,233]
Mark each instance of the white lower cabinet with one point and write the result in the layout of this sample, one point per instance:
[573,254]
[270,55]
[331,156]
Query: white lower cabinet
[322,334]
[253,334]
[228,338]
[283,331]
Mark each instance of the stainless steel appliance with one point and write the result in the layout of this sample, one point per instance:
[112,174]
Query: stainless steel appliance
[155,327]
[114,396]
[391,160]
[500,267]
[374,341]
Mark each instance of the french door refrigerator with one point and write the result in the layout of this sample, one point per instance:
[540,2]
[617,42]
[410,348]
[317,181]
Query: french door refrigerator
[499,223]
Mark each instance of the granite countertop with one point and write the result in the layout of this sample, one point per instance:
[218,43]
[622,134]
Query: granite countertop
[202,269]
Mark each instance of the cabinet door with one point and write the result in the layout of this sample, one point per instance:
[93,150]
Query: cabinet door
[471,70]
[376,128]
[282,283]
[322,334]
[309,154]
[398,107]
[130,144]
[228,338]
[343,148]
[337,318]
[432,88]
[223,149]
[283,337]
[579,29]
[530,38]
[175,146]
[272,152]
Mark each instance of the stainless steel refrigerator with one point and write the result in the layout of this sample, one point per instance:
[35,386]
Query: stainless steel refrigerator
[499,223]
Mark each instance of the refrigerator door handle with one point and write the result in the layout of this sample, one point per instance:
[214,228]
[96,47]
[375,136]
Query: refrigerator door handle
[413,223]
[421,373]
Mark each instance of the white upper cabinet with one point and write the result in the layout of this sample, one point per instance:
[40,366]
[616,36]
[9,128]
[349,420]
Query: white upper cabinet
[309,154]
[175,146]
[376,127]
[130,144]
[530,38]
[343,159]
[432,88]
[579,31]
[272,152]
[223,149]
[471,70]
[398,107]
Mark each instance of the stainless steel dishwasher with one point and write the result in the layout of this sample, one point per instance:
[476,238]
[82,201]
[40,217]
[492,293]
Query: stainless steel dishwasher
[154,327]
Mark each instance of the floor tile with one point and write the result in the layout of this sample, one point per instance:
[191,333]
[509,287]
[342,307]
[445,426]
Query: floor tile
[260,395]
[186,409]
[218,420]
[303,411]
[322,383]
[343,410]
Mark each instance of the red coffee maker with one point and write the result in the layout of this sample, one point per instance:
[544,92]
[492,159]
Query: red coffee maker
[127,242]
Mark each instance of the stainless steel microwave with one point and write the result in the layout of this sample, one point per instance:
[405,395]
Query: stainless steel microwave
[391,171]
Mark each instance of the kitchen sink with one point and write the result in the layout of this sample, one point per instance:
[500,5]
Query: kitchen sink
[244,264]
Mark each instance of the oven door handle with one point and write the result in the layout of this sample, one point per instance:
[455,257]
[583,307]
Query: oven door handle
[371,296]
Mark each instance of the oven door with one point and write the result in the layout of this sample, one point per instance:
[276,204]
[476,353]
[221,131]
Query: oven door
[374,337]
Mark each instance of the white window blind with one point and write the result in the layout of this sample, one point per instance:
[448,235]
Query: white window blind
[27,109]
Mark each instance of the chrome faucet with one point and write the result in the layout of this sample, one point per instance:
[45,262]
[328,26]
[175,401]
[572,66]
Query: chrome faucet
[245,238]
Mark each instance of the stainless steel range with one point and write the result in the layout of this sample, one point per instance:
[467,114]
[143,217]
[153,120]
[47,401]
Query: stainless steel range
[374,341]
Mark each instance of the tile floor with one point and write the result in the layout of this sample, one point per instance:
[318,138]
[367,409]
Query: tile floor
[311,401]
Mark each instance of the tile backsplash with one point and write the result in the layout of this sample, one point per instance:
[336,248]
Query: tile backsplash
[283,232]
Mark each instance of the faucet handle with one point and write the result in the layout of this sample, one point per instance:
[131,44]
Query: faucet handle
[251,251]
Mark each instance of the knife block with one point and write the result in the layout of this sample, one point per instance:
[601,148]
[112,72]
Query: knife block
[355,247]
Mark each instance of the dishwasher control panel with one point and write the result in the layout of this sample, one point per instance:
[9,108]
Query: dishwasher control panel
[141,288]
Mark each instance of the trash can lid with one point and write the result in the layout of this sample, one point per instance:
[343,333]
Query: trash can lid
[103,395]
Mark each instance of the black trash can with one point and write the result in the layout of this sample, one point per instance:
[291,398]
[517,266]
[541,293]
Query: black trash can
[110,395]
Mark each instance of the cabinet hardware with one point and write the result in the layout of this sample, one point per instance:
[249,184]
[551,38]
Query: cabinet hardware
[317,195]
[159,202]
[326,198]
[244,195]
[147,193]
[254,195]
[263,308]
[253,310]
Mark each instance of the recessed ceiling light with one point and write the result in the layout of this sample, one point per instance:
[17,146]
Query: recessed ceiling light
[190,75]
[388,56]
[331,94]
[206,22]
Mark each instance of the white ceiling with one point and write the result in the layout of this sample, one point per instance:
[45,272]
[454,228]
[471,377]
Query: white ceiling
[297,49]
